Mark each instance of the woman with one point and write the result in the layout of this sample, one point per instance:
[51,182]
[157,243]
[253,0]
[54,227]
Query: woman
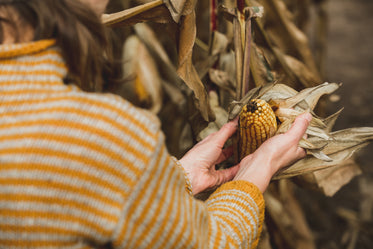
[85,170]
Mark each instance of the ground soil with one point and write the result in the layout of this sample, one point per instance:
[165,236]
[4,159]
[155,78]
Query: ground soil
[349,61]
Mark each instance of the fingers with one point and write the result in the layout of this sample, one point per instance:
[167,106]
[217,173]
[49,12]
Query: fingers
[300,125]
[298,130]
[226,175]
[225,132]
[225,154]
[300,153]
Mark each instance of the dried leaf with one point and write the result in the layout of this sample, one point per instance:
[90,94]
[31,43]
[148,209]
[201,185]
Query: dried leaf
[286,112]
[342,145]
[286,35]
[319,155]
[312,164]
[287,218]
[218,45]
[178,8]
[349,138]
[301,71]
[317,132]
[140,66]
[260,69]
[317,143]
[330,121]
[278,91]
[311,95]
[332,179]
[165,66]
[220,114]
[152,11]
[175,94]
[186,69]
[265,239]
[147,36]
[228,65]
[221,79]
[276,59]
[326,88]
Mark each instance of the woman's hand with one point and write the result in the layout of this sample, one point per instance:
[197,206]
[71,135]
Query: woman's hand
[199,163]
[257,168]
[274,154]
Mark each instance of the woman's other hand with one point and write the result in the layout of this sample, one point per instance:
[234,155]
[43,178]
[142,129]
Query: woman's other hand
[199,163]
[277,152]
[257,168]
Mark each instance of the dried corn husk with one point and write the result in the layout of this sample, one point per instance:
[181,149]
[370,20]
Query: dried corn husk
[144,88]
[325,149]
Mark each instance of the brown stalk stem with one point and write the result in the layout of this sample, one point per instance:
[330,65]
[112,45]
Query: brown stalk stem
[240,5]
[238,56]
[213,20]
[247,54]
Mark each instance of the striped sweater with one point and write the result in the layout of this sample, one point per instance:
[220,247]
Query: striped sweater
[86,170]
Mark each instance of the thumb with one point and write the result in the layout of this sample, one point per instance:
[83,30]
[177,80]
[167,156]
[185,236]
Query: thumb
[226,175]
[225,132]
[300,125]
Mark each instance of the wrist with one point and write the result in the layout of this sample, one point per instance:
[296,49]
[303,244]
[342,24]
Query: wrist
[187,178]
[184,164]
[256,170]
[195,181]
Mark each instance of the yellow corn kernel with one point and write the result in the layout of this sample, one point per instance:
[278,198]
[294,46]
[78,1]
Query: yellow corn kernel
[257,123]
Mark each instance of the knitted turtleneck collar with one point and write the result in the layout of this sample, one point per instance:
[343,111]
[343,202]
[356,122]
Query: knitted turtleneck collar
[20,49]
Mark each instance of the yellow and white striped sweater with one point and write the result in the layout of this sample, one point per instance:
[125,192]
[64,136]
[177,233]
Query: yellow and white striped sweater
[84,170]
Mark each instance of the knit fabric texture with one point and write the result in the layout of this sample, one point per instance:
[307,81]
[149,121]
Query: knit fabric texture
[85,170]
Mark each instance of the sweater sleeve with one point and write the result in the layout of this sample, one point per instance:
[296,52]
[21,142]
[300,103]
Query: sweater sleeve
[188,184]
[160,214]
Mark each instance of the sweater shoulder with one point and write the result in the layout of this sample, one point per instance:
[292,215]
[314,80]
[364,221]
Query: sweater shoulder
[113,110]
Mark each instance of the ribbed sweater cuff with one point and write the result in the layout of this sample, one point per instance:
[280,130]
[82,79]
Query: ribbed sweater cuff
[245,202]
[188,185]
[247,187]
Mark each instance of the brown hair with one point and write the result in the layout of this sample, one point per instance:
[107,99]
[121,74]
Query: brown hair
[79,33]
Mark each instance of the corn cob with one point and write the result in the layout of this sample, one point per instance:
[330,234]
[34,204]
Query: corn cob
[257,122]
